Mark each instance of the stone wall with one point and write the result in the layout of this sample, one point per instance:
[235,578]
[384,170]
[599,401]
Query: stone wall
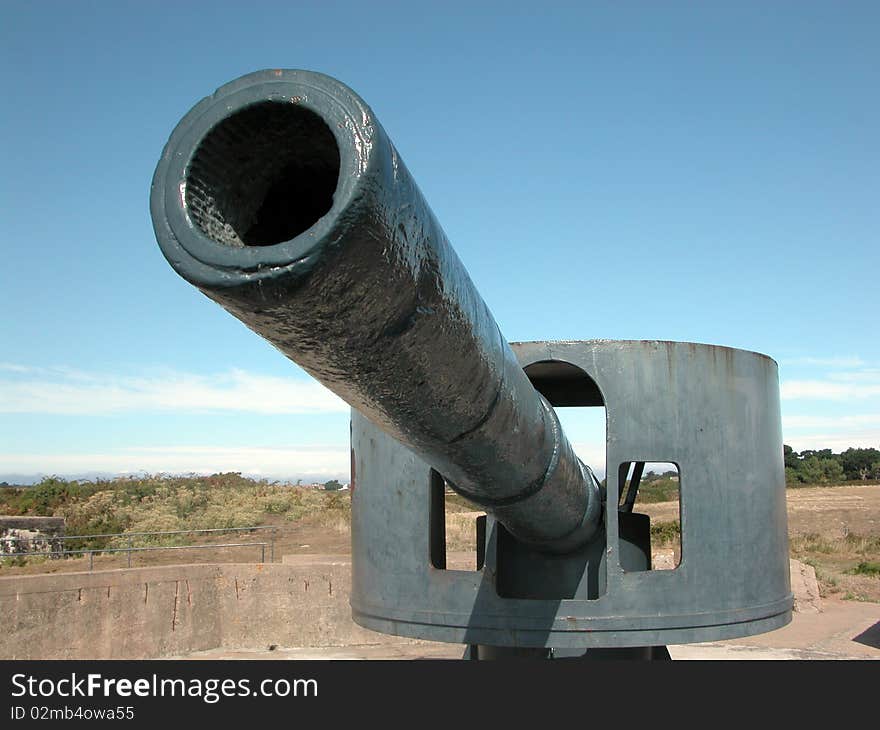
[30,534]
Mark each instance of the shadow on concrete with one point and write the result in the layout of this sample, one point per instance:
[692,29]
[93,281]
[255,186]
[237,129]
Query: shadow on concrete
[534,584]
[870,636]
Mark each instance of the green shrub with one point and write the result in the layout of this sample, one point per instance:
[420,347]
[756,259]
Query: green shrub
[163,503]
[658,490]
[663,533]
[14,562]
[866,568]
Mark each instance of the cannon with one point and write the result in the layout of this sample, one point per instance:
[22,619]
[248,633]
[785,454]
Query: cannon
[282,198]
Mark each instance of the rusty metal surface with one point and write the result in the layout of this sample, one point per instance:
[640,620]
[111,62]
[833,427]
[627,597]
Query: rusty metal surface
[281,198]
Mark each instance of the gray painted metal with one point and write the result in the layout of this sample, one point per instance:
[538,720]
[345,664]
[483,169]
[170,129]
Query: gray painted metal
[712,411]
[281,198]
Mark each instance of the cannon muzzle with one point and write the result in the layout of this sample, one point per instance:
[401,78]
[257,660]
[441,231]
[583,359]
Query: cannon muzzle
[281,198]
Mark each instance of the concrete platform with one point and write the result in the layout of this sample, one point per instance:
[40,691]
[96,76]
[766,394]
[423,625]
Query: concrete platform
[843,630]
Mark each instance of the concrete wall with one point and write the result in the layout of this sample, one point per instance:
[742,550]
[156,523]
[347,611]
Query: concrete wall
[171,610]
[46,525]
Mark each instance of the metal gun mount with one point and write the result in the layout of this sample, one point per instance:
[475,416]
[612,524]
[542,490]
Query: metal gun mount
[281,198]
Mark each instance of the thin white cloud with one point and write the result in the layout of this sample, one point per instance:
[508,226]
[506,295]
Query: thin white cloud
[12,367]
[332,461]
[837,442]
[852,361]
[831,422]
[866,375]
[69,392]
[829,390]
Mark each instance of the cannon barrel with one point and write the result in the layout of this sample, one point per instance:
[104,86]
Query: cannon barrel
[281,198]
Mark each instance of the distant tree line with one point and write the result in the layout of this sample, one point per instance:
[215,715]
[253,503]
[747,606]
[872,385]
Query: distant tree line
[826,467]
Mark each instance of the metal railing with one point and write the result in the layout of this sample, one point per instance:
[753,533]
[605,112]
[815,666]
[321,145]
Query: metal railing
[132,548]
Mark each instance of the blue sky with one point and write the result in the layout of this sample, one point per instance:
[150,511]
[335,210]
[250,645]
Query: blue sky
[704,172]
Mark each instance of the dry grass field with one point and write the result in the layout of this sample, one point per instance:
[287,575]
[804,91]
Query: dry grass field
[835,529]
